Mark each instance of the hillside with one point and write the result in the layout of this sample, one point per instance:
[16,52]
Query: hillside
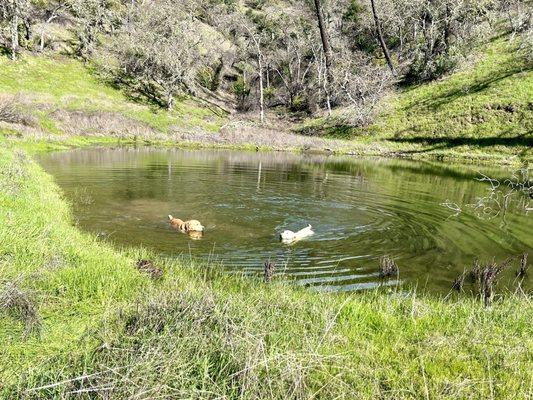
[57,95]
[482,111]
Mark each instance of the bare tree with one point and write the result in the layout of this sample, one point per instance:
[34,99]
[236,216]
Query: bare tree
[94,17]
[158,50]
[51,12]
[379,34]
[256,41]
[13,13]
[249,39]
[327,51]
[361,85]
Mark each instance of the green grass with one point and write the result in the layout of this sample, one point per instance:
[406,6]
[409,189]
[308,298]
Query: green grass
[489,101]
[484,111]
[48,84]
[109,332]
[72,277]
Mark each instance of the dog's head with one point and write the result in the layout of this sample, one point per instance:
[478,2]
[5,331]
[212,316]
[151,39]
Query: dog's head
[195,235]
[194,225]
[287,236]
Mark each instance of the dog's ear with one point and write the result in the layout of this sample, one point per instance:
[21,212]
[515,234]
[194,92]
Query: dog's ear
[170,217]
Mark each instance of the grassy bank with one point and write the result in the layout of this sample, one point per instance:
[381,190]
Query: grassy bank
[77,319]
[482,112]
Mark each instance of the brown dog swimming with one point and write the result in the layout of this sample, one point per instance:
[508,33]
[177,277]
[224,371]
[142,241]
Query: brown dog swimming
[185,226]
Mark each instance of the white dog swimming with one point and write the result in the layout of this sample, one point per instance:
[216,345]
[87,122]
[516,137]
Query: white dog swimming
[291,237]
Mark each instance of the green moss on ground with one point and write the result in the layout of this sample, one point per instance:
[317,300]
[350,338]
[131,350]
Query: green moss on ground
[104,330]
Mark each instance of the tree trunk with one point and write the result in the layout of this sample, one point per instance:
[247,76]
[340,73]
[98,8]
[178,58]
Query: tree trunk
[42,41]
[170,101]
[49,20]
[447,31]
[216,76]
[14,37]
[27,27]
[324,36]
[380,38]
[261,91]
[327,51]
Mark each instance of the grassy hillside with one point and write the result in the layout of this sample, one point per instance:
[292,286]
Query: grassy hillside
[65,97]
[77,319]
[490,102]
[482,113]
[485,110]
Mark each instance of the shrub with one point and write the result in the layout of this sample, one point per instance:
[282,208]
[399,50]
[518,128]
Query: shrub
[9,112]
[241,90]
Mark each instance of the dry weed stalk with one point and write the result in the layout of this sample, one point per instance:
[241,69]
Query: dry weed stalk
[19,304]
[522,271]
[388,267]
[489,276]
[475,272]
[270,269]
[458,282]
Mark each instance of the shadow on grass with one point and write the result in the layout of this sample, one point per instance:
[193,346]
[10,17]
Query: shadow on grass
[5,52]
[525,140]
[132,90]
[459,90]
[330,129]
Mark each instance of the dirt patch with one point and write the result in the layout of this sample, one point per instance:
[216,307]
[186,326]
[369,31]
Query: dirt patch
[100,123]
[241,133]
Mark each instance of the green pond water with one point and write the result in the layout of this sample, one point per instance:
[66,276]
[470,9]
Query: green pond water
[360,210]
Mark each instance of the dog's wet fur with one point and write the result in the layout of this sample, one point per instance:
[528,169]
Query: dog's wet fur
[291,237]
[185,226]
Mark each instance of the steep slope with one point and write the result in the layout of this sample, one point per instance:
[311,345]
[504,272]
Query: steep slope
[483,111]
[488,100]
[59,95]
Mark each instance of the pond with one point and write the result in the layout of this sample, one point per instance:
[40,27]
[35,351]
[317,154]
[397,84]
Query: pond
[360,210]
